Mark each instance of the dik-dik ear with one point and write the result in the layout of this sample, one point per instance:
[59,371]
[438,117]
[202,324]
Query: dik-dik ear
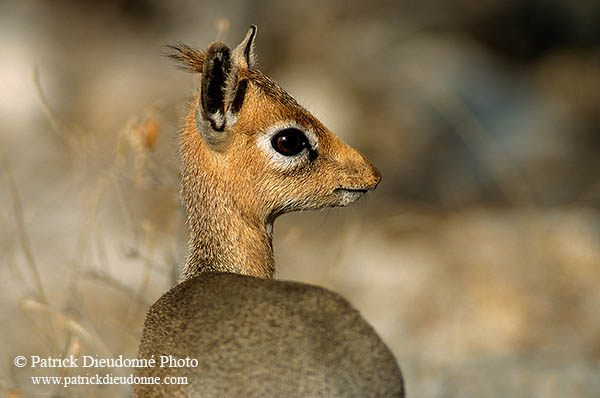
[222,93]
[215,72]
[243,55]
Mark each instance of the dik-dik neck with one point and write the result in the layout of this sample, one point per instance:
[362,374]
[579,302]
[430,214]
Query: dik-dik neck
[221,242]
[224,237]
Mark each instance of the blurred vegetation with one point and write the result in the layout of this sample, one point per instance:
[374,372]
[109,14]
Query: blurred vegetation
[477,259]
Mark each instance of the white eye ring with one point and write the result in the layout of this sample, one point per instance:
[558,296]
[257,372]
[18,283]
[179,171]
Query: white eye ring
[264,142]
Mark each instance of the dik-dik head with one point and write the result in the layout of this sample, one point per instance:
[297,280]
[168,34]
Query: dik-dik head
[266,153]
[251,153]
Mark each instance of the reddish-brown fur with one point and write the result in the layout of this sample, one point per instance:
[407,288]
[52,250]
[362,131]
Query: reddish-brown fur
[233,193]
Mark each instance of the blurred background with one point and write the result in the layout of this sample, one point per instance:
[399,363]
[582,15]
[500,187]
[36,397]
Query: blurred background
[477,259]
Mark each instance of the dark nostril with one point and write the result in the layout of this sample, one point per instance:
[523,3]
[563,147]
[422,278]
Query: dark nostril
[376,176]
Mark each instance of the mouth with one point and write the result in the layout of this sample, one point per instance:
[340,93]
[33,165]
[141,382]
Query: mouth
[356,190]
[347,196]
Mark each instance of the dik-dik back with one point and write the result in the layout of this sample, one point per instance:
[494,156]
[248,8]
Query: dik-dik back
[251,153]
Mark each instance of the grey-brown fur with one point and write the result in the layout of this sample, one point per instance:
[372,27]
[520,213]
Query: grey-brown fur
[254,336]
[264,338]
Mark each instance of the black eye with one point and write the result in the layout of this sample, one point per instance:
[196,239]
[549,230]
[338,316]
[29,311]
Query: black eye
[289,142]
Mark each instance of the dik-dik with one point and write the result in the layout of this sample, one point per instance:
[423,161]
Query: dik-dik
[251,153]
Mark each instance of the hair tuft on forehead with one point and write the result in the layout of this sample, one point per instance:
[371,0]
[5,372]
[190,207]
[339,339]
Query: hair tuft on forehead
[188,58]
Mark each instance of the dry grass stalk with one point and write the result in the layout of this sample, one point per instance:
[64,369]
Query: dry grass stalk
[24,238]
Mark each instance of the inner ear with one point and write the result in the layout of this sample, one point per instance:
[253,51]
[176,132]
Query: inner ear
[216,69]
[238,100]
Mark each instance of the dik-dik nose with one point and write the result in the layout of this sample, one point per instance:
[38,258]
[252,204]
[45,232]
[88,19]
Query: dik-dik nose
[375,175]
[361,174]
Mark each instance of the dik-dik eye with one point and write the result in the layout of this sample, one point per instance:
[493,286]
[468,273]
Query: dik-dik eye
[289,142]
